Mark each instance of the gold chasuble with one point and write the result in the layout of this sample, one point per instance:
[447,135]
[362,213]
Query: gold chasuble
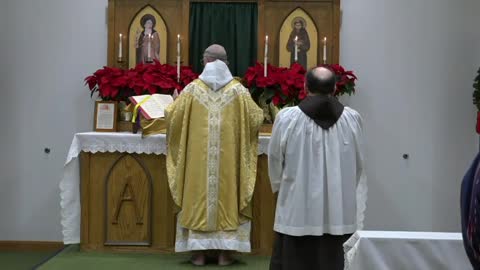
[212,139]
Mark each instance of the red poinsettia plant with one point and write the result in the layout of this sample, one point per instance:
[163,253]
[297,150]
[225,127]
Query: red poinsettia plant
[285,86]
[118,84]
[281,86]
[345,80]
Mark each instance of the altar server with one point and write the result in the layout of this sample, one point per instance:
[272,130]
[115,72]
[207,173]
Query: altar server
[316,164]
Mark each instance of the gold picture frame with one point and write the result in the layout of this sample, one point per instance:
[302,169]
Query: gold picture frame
[105,117]
[307,35]
[138,39]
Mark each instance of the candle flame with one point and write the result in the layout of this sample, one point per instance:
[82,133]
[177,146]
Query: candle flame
[296,38]
[120,35]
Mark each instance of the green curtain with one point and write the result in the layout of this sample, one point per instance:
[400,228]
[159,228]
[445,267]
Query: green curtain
[232,25]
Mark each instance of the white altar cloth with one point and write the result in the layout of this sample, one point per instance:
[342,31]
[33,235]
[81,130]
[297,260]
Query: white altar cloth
[380,250]
[94,142]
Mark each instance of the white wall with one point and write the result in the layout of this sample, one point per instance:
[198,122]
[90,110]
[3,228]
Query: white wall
[455,123]
[50,46]
[416,61]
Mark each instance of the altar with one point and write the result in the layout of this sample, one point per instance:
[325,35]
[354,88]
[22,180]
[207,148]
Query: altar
[115,195]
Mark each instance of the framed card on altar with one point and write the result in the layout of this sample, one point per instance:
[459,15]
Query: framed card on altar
[105,116]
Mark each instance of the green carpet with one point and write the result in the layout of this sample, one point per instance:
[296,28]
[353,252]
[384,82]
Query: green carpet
[21,260]
[72,258]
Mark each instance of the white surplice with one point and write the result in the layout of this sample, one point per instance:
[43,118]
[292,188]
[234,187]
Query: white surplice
[319,174]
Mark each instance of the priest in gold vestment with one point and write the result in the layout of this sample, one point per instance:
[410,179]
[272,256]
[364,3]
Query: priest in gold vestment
[212,138]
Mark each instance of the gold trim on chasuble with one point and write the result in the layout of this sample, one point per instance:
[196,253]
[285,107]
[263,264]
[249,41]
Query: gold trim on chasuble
[214,102]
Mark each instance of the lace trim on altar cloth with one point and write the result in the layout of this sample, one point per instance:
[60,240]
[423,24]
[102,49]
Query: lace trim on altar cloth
[93,142]
[263,142]
[350,249]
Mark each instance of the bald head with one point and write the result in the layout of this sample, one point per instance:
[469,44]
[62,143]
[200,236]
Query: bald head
[320,80]
[215,52]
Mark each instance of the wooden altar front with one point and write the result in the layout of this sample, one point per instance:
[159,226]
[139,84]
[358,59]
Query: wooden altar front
[127,206]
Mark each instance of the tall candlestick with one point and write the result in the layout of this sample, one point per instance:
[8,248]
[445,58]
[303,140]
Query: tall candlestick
[178,68]
[178,58]
[120,49]
[149,48]
[178,44]
[325,50]
[265,60]
[266,45]
[296,49]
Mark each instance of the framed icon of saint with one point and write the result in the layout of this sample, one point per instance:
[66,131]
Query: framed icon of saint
[147,38]
[298,33]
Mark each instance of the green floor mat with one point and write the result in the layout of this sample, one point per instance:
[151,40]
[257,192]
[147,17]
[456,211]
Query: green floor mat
[72,258]
[22,260]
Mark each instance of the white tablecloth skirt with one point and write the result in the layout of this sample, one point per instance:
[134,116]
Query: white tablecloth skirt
[379,250]
[94,142]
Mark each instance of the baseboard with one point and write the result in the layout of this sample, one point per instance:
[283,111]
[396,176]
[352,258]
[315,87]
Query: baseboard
[30,246]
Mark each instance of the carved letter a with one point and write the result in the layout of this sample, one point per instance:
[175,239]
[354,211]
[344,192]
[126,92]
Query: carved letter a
[127,196]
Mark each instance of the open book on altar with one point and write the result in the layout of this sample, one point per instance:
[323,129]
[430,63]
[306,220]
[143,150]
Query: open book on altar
[152,106]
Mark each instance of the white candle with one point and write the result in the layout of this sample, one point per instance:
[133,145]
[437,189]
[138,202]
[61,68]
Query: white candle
[178,58]
[178,44]
[265,60]
[178,68]
[265,66]
[296,49]
[120,50]
[149,47]
[266,45]
[325,50]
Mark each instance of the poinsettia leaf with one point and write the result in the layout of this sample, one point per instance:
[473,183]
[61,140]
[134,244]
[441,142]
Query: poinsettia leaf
[256,93]
[95,89]
[268,93]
